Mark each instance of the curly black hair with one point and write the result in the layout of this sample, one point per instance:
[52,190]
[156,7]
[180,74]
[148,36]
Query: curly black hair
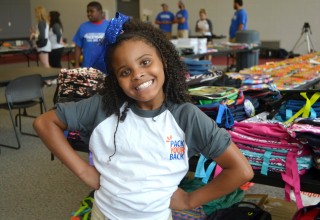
[175,87]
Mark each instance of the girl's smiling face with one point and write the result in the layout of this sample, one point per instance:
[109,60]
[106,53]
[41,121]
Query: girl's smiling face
[140,73]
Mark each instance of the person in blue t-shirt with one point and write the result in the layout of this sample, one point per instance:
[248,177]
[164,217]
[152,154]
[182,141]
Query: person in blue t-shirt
[89,34]
[165,19]
[238,21]
[182,20]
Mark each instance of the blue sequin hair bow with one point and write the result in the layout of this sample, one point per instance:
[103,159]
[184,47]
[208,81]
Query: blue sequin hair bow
[114,29]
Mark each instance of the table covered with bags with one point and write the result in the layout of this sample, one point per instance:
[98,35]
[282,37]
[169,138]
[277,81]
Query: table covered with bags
[276,130]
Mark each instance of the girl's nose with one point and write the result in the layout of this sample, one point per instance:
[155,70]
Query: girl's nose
[137,74]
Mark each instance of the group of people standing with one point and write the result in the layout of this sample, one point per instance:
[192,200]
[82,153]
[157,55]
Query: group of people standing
[50,45]
[204,26]
[47,37]
[166,19]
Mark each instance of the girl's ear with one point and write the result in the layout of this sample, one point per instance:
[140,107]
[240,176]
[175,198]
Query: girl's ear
[164,63]
[114,79]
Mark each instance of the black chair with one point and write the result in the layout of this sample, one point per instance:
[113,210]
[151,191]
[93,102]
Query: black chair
[22,93]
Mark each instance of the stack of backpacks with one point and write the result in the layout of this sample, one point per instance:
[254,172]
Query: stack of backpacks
[203,73]
[224,104]
[269,147]
[259,86]
[307,131]
[228,97]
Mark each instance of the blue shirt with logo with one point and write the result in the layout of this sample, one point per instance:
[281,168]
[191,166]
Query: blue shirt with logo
[239,17]
[165,16]
[87,37]
[183,14]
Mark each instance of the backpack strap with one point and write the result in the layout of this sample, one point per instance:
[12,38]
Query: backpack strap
[209,170]
[200,171]
[266,162]
[85,208]
[305,110]
[288,114]
[203,173]
[292,179]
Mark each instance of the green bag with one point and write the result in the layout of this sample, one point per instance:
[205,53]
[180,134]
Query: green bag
[222,202]
[84,211]
[208,94]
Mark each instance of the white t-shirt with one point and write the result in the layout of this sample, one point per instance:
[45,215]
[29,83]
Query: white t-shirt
[204,26]
[54,41]
[150,157]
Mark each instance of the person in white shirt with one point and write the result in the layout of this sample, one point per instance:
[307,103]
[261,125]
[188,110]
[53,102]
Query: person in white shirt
[41,36]
[56,39]
[204,25]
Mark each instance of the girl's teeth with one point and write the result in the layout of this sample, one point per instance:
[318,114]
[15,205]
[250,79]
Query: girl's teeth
[144,85]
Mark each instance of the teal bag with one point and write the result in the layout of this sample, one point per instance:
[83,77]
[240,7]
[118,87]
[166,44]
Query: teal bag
[203,174]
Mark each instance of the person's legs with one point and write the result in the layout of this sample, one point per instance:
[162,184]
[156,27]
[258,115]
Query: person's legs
[44,59]
[96,214]
[168,35]
[55,57]
[232,40]
[51,58]
[232,56]
[183,34]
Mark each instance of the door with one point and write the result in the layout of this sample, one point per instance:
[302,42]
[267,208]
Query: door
[15,18]
[129,7]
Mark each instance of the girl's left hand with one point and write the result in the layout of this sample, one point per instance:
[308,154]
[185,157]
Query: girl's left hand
[180,200]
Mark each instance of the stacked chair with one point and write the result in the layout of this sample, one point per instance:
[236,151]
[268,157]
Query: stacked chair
[23,93]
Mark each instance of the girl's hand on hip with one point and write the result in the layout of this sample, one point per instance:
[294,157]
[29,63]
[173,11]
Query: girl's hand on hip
[91,177]
[180,200]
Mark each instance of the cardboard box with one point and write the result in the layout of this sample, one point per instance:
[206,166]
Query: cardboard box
[280,209]
[258,199]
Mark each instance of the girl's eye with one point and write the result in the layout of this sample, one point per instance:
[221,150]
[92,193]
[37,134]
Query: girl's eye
[124,72]
[145,62]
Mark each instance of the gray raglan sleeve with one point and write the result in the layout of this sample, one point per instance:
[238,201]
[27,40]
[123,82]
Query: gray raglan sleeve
[42,29]
[202,134]
[81,116]
[56,29]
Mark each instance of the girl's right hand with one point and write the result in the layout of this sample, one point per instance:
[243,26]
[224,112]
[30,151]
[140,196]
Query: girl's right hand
[91,177]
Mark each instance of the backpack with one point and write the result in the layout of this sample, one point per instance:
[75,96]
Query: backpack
[241,211]
[84,211]
[311,212]
[269,147]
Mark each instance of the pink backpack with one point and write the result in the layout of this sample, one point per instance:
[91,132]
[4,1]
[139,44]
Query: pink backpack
[269,147]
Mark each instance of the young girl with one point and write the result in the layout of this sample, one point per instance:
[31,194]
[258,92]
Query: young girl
[142,129]
[41,35]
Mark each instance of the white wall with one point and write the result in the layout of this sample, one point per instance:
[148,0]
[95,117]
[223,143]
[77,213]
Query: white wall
[280,20]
